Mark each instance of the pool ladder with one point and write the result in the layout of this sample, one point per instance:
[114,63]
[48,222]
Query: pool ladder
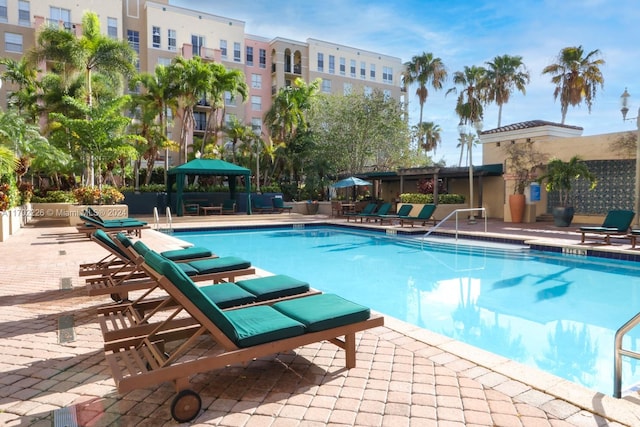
[169,221]
[619,352]
[435,227]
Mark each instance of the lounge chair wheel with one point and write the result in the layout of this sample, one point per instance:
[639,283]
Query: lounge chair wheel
[185,406]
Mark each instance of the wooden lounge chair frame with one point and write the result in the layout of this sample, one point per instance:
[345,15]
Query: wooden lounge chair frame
[148,363]
[422,217]
[616,223]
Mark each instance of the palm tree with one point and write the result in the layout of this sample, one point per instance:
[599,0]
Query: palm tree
[425,69]
[473,83]
[238,132]
[428,135]
[504,74]
[25,76]
[576,76]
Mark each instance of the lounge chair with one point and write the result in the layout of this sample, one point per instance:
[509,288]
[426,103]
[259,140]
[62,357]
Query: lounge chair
[279,206]
[404,211]
[129,225]
[228,206]
[368,209]
[217,269]
[240,335]
[382,210]
[423,216]
[616,223]
[258,206]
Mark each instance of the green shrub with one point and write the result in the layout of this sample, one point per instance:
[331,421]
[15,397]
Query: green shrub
[443,199]
[54,196]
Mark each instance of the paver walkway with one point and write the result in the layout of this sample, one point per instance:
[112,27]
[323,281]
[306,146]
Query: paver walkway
[46,366]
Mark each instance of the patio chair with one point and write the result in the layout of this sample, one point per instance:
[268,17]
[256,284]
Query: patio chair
[129,225]
[382,210]
[258,206]
[616,223]
[404,211]
[423,216]
[279,206]
[228,206]
[240,335]
[368,209]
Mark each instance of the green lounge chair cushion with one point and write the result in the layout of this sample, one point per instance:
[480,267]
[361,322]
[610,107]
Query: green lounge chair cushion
[106,239]
[141,248]
[270,287]
[123,239]
[217,265]
[245,327]
[187,269]
[187,253]
[226,295]
[324,311]
[261,324]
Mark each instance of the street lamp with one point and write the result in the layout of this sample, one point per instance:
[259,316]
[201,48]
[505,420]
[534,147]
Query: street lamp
[462,130]
[624,102]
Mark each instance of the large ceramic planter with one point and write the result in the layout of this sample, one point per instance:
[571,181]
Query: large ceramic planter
[517,204]
[562,216]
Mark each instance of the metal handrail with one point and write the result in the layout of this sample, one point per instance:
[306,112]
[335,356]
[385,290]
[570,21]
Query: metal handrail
[618,352]
[455,212]
[169,220]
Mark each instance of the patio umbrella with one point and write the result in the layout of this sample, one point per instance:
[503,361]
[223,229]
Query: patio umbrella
[350,182]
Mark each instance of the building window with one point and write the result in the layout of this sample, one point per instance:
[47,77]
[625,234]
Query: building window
[343,66]
[256,81]
[3,11]
[372,71]
[112,28]
[228,119]
[368,91]
[256,103]
[237,52]
[363,70]
[58,15]
[13,42]
[223,49]
[387,74]
[256,125]
[249,59]
[332,64]
[164,61]
[24,13]
[263,58]
[200,118]
[133,38]
[326,85]
[155,37]
[197,43]
[352,68]
[347,89]
[229,100]
[320,62]
[172,40]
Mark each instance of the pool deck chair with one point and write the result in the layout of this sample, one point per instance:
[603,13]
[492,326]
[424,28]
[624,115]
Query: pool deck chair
[424,216]
[368,209]
[238,336]
[404,211]
[128,225]
[279,206]
[374,216]
[260,207]
[123,324]
[616,223]
[228,207]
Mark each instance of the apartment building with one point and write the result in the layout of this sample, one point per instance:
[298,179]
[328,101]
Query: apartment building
[159,32]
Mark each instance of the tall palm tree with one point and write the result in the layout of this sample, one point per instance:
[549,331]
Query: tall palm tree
[425,69]
[504,74]
[25,76]
[90,52]
[576,76]
[428,135]
[472,94]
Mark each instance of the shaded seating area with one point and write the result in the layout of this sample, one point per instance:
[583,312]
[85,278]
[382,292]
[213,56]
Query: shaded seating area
[616,223]
[239,335]
[424,216]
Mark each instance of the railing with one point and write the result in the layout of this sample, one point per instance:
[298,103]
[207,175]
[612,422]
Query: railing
[435,227]
[169,221]
[618,352]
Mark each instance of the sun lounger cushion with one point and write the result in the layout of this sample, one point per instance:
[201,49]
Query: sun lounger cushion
[104,238]
[226,295]
[187,253]
[271,287]
[245,327]
[217,265]
[324,311]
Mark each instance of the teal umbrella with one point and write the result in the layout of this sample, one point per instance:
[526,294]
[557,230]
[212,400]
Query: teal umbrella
[350,182]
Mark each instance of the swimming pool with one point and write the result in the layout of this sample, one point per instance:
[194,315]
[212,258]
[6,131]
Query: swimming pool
[557,313]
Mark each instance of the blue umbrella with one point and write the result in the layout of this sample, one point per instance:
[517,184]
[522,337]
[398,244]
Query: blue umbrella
[350,182]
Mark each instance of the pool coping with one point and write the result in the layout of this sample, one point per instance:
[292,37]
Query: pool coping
[625,410]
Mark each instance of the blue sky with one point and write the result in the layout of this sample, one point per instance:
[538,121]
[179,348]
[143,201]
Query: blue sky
[471,33]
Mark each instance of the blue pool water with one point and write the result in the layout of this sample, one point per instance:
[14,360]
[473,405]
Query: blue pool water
[557,313]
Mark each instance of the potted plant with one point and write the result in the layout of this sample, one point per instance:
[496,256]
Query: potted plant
[560,177]
[522,161]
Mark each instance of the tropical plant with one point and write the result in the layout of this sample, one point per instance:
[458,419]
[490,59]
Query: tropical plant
[505,74]
[25,76]
[561,176]
[577,77]
[472,81]
[428,135]
[522,161]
